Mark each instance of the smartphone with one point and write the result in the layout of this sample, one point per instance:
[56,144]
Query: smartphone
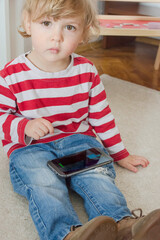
[79,162]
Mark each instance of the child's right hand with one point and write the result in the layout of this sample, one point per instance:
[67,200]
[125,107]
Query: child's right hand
[38,128]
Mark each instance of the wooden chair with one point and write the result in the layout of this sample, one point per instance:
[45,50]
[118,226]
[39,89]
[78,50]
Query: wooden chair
[118,25]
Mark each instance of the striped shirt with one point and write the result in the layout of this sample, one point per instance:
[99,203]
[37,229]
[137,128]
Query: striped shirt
[73,100]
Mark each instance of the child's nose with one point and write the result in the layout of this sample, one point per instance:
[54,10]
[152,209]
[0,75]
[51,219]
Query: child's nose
[57,35]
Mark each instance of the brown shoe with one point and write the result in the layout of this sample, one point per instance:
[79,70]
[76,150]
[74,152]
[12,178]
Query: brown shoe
[99,228]
[140,228]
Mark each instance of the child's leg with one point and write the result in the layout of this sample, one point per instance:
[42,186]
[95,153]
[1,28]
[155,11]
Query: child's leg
[97,187]
[47,194]
[100,194]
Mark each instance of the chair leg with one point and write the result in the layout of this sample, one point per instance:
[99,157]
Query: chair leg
[157,61]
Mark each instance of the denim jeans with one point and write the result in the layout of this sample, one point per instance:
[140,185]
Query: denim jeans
[47,193]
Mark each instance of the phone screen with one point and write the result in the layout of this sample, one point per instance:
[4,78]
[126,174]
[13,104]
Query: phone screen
[79,162]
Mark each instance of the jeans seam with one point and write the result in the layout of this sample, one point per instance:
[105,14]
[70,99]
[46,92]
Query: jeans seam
[88,197]
[38,216]
[17,176]
[31,197]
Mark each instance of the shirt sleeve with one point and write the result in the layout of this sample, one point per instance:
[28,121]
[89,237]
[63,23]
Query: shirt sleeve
[103,122]
[12,124]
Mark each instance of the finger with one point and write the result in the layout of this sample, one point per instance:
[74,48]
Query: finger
[40,132]
[44,129]
[36,136]
[51,129]
[141,158]
[145,163]
[49,126]
[141,162]
[132,168]
[128,166]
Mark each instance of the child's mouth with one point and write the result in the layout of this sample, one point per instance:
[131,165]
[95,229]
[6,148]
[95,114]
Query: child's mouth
[54,50]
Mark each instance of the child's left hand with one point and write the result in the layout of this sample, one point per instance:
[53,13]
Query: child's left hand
[132,161]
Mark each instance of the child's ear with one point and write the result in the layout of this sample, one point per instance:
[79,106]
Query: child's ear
[81,40]
[27,22]
[85,35]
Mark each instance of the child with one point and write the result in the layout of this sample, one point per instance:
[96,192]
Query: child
[51,101]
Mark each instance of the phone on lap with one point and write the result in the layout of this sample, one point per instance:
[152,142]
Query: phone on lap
[79,162]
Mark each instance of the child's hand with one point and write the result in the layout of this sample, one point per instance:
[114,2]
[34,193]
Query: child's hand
[38,128]
[131,162]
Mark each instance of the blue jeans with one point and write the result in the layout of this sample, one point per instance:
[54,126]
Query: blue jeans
[47,193]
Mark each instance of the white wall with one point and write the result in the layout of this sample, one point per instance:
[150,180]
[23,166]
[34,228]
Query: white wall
[17,42]
[152,9]
[12,43]
[4,33]
[19,45]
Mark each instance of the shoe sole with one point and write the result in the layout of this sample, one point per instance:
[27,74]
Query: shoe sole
[148,227]
[99,228]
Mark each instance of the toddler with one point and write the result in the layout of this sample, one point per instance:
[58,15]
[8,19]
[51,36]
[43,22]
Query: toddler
[52,103]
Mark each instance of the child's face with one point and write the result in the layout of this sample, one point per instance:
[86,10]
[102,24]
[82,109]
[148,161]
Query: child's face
[54,41]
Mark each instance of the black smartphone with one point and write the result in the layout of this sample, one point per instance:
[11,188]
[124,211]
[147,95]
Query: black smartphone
[79,162]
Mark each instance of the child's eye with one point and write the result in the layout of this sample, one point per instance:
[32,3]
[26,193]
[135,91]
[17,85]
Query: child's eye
[70,28]
[46,23]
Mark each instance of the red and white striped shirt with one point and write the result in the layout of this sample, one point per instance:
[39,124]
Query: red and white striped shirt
[73,100]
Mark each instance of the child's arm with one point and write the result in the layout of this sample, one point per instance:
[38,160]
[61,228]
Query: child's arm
[132,162]
[102,120]
[12,124]
[13,127]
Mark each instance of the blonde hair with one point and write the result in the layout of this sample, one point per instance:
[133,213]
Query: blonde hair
[37,9]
